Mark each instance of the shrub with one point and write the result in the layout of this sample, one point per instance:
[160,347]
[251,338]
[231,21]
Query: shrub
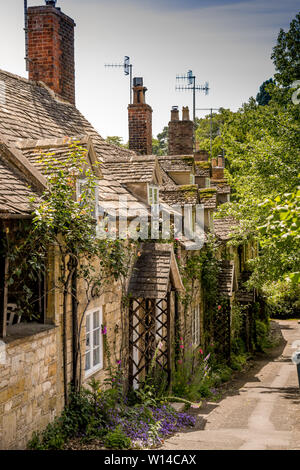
[117,439]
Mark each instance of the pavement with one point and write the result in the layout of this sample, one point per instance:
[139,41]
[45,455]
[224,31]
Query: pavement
[260,410]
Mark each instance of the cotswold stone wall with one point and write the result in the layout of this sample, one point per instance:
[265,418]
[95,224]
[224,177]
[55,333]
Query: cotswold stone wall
[30,394]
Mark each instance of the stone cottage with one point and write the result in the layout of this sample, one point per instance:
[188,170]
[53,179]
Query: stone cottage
[38,116]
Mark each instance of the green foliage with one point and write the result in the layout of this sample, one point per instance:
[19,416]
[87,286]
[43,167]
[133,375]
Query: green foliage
[160,144]
[283,299]
[262,331]
[286,54]
[263,97]
[117,439]
[116,140]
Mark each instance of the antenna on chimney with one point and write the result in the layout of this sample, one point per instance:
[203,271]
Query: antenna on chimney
[26,34]
[191,79]
[127,66]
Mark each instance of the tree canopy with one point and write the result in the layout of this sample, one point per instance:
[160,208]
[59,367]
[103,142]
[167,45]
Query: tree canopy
[286,54]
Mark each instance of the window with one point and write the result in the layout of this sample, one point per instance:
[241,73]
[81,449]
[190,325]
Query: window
[94,342]
[80,188]
[192,179]
[153,194]
[207,182]
[196,326]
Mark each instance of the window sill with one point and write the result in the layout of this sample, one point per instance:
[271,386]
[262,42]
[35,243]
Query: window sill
[93,371]
[25,330]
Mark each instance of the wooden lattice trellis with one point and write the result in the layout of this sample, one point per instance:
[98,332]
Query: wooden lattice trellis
[222,330]
[149,337]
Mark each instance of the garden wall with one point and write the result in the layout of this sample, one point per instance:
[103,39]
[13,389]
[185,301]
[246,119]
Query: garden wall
[30,383]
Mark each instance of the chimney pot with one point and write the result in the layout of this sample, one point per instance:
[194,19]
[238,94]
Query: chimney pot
[138,81]
[174,113]
[185,113]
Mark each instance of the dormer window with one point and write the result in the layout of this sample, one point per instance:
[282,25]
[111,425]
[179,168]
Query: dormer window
[153,194]
[81,186]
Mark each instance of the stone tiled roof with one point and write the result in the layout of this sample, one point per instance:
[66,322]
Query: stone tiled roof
[177,162]
[32,112]
[222,187]
[15,190]
[180,195]
[202,169]
[134,170]
[226,278]
[225,227]
[154,269]
[49,149]
[208,198]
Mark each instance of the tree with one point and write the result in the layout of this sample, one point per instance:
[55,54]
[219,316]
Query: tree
[286,54]
[160,144]
[211,124]
[263,97]
[262,145]
[115,140]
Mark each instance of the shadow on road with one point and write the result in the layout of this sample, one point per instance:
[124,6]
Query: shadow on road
[236,384]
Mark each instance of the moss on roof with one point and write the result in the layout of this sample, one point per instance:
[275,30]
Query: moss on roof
[203,164]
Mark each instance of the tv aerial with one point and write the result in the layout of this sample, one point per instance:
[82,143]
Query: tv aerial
[127,66]
[191,86]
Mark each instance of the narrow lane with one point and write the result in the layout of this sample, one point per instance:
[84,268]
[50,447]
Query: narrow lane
[261,413]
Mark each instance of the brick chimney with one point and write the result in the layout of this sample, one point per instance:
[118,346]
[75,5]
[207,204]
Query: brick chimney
[180,133]
[217,167]
[51,49]
[201,156]
[140,120]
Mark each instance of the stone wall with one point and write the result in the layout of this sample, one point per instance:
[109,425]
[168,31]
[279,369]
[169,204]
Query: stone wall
[30,392]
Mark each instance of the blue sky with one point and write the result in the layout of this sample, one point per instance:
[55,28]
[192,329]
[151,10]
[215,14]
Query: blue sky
[227,43]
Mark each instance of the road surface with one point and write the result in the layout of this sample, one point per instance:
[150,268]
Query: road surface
[260,412]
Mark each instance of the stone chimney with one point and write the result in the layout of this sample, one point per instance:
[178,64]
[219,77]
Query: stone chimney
[218,166]
[180,133]
[201,156]
[51,49]
[140,120]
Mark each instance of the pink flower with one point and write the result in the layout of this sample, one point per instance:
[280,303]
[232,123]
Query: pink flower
[104,330]
[181,339]
[200,351]
[118,362]
[181,346]
[180,361]
[219,307]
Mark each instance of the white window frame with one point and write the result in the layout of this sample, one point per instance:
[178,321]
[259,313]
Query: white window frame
[92,347]
[152,190]
[192,178]
[207,182]
[83,181]
[196,334]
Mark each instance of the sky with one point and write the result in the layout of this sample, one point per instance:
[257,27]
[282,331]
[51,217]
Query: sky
[227,43]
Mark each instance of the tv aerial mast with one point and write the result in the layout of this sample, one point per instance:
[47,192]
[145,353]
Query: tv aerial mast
[191,86]
[127,66]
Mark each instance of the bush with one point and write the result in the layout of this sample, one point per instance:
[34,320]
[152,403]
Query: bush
[262,330]
[52,438]
[117,439]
